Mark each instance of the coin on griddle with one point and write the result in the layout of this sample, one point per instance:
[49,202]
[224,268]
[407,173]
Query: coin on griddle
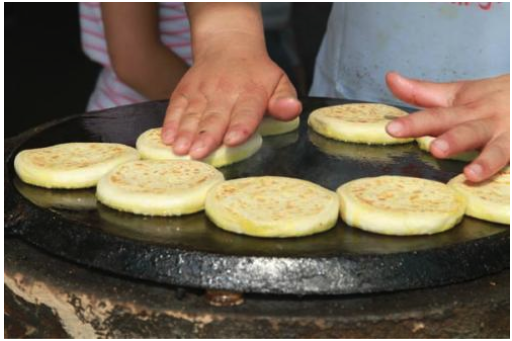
[399,205]
[357,123]
[158,187]
[71,165]
[424,143]
[150,146]
[270,126]
[271,206]
[488,200]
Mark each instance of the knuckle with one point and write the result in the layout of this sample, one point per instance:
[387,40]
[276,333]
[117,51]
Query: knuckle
[174,109]
[184,134]
[502,152]
[434,115]
[463,132]
[212,119]
[244,130]
[409,122]
[243,113]
[210,139]
[204,89]
[212,115]
[178,96]
[493,157]
[192,116]
[474,106]
[171,124]
[199,100]
[255,91]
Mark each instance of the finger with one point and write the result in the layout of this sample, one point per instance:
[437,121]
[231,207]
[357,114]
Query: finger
[467,136]
[433,121]
[188,126]
[212,128]
[175,110]
[422,93]
[283,103]
[493,158]
[245,117]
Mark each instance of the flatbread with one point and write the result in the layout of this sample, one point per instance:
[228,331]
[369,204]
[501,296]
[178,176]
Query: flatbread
[358,123]
[272,206]
[158,187]
[71,165]
[270,126]
[424,143]
[398,205]
[488,200]
[150,146]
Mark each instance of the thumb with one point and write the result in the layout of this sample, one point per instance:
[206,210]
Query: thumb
[283,103]
[422,93]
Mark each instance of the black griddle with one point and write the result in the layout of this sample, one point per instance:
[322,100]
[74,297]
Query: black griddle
[189,251]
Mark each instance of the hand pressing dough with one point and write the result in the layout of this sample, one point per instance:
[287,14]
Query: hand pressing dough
[150,146]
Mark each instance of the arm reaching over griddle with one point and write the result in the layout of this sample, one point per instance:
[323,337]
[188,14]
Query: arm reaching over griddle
[464,115]
[233,82]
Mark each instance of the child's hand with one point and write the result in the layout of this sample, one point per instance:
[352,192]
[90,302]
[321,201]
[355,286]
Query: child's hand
[464,115]
[233,82]
[223,98]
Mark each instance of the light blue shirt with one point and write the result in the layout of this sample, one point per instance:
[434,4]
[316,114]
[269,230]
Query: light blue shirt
[440,42]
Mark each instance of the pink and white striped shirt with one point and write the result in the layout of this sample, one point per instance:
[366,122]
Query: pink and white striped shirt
[110,91]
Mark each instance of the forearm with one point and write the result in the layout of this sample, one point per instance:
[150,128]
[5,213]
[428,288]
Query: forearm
[154,73]
[225,26]
[136,52]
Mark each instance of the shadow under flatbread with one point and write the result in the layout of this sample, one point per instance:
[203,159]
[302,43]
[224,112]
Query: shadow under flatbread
[75,200]
[197,232]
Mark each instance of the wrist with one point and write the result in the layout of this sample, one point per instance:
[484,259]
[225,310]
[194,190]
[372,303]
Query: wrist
[232,28]
[234,44]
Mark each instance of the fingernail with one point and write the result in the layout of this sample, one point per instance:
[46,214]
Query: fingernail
[286,98]
[168,136]
[199,145]
[440,145]
[395,128]
[181,144]
[232,136]
[475,170]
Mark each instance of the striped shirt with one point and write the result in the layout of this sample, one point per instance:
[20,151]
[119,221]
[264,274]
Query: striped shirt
[110,91]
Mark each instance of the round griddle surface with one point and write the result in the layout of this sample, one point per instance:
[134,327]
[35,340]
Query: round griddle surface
[191,251]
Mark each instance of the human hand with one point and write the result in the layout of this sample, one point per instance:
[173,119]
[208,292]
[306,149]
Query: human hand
[223,97]
[463,115]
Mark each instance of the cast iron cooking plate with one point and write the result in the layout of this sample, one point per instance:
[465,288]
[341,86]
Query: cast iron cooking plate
[190,251]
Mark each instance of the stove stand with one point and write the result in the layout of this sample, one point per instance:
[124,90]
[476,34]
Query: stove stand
[46,297]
